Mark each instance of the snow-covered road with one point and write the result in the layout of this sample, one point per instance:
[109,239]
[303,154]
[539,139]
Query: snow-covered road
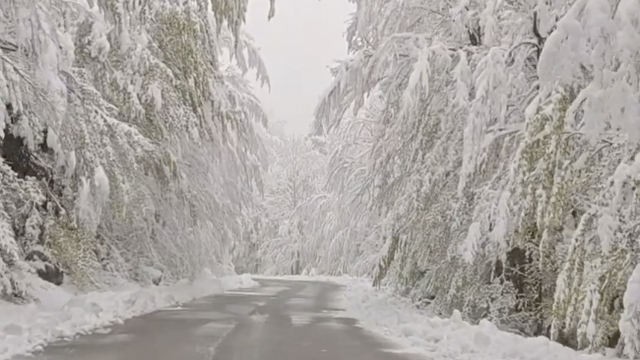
[276,318]
[280,319]
[61,314]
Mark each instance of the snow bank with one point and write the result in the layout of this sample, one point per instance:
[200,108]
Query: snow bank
[62,315]
[419,332]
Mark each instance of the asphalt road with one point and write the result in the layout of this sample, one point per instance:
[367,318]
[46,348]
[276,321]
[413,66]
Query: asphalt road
[279,320]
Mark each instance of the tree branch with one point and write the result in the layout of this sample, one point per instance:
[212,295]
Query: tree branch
[8,46]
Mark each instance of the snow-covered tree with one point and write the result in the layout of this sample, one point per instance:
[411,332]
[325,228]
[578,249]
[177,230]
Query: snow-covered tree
[497,171]
[129,138]
[292,191]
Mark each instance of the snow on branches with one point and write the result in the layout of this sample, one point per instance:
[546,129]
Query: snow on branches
[127,144]
[498,160]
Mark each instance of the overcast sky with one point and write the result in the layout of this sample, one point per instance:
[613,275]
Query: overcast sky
[298,45]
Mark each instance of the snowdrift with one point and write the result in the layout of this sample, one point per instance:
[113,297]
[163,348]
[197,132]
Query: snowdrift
[418,331]
[62,315]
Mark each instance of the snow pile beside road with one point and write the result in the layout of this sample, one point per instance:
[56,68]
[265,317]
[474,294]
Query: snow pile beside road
[62,315]
[418,331]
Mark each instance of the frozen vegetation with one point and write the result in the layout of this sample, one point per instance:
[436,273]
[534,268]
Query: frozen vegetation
[481,157]
[129,145]
[478,156]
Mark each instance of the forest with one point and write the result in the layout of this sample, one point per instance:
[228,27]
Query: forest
[479,156]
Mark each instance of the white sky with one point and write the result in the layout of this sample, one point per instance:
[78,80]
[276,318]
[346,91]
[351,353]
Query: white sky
[297,46]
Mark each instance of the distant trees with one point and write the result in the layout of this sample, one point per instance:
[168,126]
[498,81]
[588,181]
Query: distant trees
[291,192]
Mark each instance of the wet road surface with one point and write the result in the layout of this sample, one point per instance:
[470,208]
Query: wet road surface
[278,320]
